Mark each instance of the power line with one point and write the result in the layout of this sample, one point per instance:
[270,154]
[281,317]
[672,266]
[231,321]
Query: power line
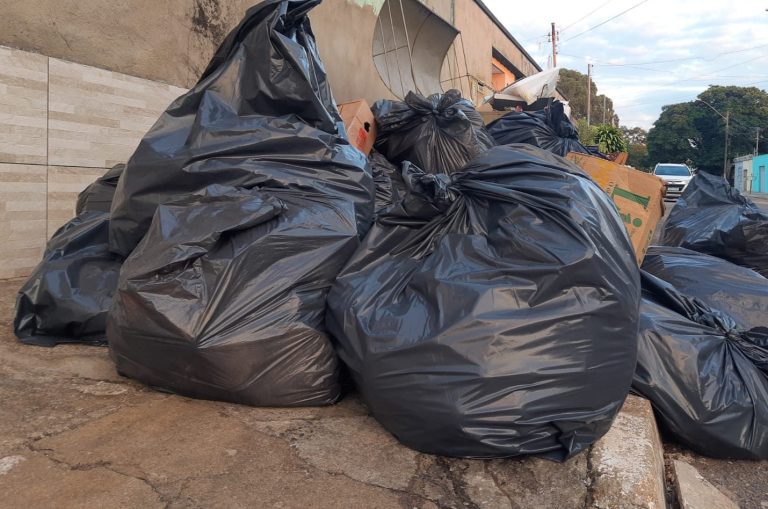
[606,21]
[707,75]
[587,15]
[715,57]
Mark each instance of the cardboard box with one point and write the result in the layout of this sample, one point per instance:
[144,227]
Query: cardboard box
[360,124]
[639,197]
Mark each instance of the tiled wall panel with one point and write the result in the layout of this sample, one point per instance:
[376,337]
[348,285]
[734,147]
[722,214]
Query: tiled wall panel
[23,106]
[97,117]
[64,184]
[22,218]
[62,125]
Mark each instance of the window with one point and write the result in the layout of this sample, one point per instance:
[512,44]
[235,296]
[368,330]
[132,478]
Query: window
[672,171]
[500,75]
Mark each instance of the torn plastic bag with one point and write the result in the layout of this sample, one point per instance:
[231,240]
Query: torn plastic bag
[706,378]
[531,88]
[549,129]
[261,116]
[67,297]
[97,197]
[439,134]
[224,298]
[493,312]
[390,187]
[714,218]
[736,291]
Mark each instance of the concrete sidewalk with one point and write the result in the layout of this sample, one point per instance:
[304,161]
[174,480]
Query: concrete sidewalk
[75,434]
[760,199]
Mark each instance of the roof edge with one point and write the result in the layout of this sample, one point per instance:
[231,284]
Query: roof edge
[506,32]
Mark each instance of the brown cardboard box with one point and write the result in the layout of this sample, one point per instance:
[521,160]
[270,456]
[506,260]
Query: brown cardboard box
[360,124]
[639,196]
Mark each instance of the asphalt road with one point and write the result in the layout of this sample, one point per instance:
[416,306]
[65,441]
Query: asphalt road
[761,200]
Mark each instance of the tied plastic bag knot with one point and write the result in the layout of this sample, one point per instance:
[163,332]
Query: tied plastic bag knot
[703,351]
[436,187]
[440,133]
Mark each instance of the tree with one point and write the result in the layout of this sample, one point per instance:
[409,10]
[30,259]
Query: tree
[638,156]
[674,137]
[634,135]
[573,85]
[694,132]
[586,132]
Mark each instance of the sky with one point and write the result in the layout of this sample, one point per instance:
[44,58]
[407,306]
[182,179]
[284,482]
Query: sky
[659,52]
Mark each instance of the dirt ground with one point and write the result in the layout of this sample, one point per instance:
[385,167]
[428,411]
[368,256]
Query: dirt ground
[75,434]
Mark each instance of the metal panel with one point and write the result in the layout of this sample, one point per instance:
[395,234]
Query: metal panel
[409,47]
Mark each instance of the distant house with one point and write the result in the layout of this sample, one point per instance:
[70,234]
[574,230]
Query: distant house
[750,173]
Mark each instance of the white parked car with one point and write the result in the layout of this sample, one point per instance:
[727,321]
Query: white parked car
[676,176]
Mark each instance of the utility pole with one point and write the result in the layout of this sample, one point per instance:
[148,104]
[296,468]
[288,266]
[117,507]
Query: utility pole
[725,158]
[554,45]
[589,93]
[757,141]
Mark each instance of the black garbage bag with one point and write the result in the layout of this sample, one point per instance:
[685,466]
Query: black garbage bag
[261,116]
[439,134]
[98,196]
[714,218]
[549,129]
[736,291]
[706,377]
[389,184]
[224,298]
[493,312]
[68,295]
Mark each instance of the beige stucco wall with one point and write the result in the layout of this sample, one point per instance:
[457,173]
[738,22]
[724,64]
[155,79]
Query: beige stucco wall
[171,41]
[164,40]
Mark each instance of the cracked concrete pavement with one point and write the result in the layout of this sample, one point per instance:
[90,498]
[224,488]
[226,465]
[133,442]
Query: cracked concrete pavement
[73,433]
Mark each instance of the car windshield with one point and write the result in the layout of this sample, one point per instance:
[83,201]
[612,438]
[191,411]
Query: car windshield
[674,171]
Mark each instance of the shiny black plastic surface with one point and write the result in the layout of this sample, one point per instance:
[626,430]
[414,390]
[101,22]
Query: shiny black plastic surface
[714,218]
[439,134]
[493,312]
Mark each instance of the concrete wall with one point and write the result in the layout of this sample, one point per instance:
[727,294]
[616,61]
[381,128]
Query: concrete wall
[61,126]
[171,41]
[98,73]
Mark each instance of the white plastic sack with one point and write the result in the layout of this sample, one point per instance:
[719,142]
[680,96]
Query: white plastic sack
[537,86]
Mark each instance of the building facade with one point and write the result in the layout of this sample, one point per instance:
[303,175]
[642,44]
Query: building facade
[81,81]
[751,173]
[759,174]
[363,43]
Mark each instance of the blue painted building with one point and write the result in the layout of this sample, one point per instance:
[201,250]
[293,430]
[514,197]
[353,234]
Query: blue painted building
[750,173]
[760,174]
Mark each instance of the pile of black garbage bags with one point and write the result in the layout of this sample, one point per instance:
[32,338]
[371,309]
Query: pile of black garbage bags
[480,291]
[548,128]
[703,346]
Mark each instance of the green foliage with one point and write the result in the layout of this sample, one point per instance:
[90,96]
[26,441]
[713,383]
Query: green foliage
[634,135]
[692,132]
[609,139]
[638,157]
[573,85]
[586,132]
